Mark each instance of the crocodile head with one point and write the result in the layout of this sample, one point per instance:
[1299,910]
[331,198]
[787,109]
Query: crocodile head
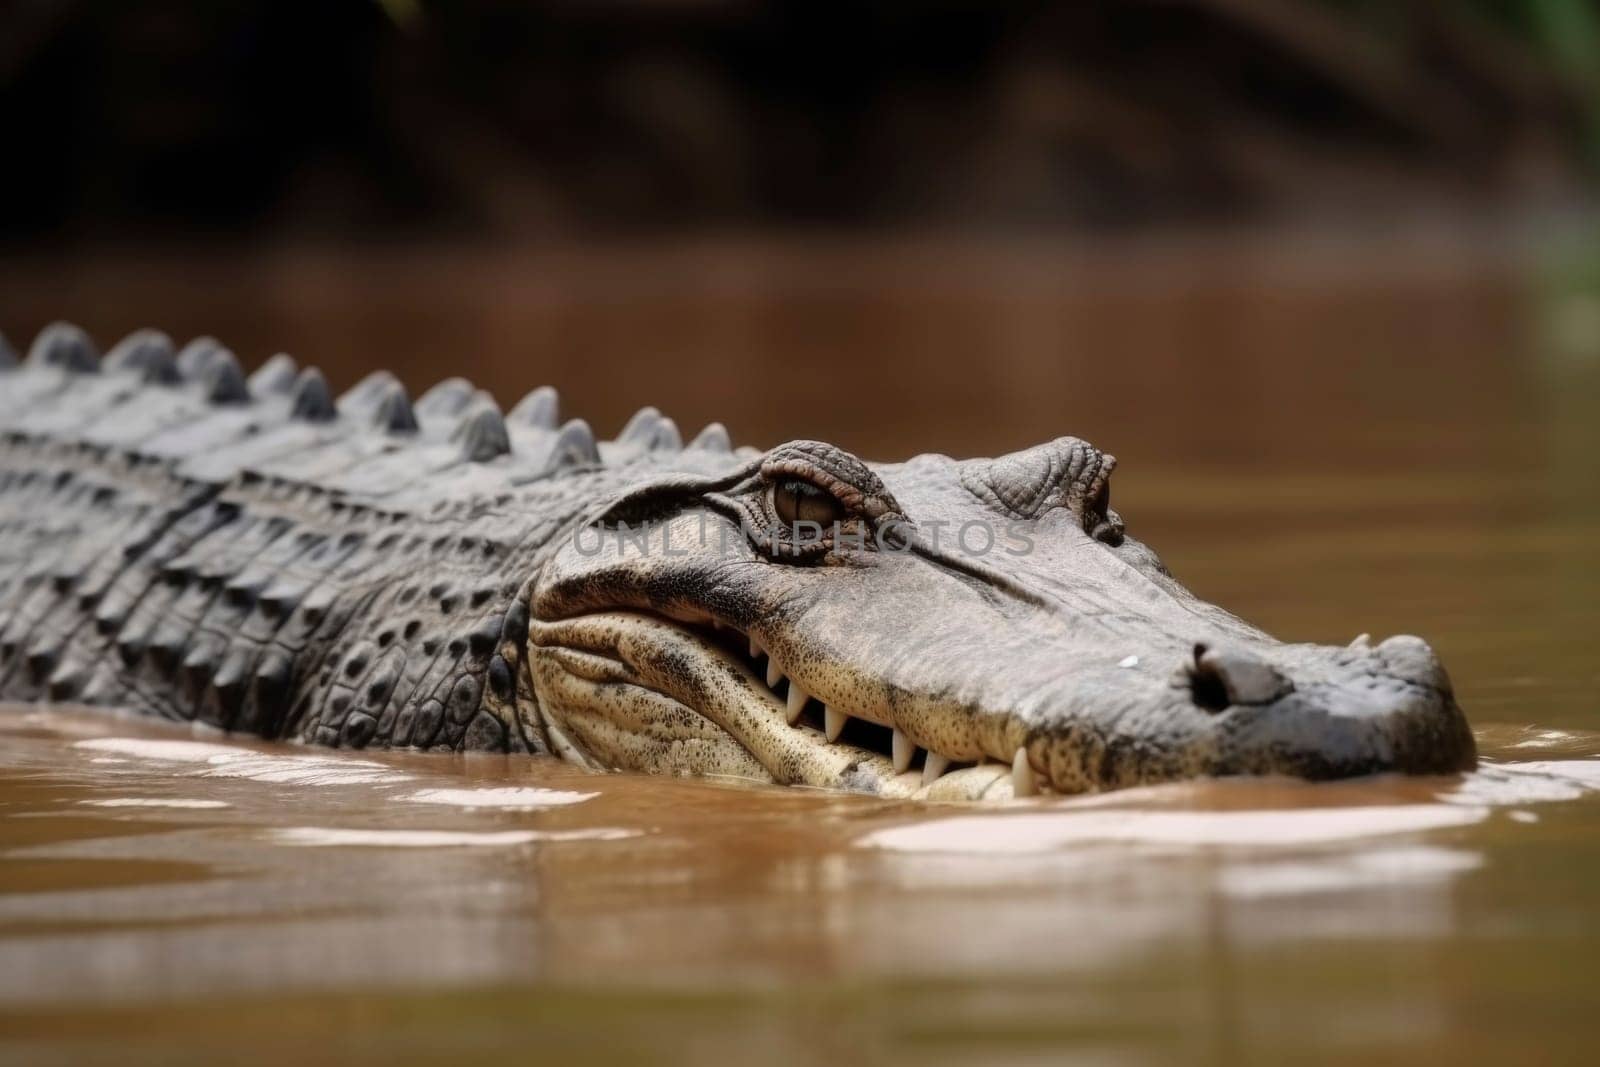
[944,629]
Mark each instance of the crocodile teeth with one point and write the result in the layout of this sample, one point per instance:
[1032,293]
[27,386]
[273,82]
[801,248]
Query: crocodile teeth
[1023,783]
[933,767]
[833,723]
[904,751]
[774,674]
[797,702]
[755,647]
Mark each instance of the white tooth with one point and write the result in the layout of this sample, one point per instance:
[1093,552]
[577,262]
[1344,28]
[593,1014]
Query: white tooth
[833,722]
[774,674]
[1023,783]
[755,647]
[1362,641]
[797,702]
[933,767]
[904,752]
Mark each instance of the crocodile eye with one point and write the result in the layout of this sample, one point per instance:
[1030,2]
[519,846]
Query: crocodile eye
[795,500]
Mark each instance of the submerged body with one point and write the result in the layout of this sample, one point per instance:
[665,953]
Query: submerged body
[181,541]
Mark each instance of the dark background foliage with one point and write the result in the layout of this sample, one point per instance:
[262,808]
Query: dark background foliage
[493,117]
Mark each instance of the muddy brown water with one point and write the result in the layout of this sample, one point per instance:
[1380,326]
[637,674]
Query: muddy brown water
[1389,437]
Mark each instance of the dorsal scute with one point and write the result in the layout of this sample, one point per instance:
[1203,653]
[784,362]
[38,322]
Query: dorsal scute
[449,397]
[276,375]
[640,427]
[651,431]
[714,438]
[310,400]
[482,434]
[146,353]
[668,438]
[64,345]
[575,446]
[393,413]
[540,409]
[369,391]
[222,380]
[195,356]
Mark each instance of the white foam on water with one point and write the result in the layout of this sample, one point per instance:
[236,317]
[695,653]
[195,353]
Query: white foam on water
[1586,771]
[229,761]
[1531,782]
[1380,868]
[506,798]
[1550,739]
[149,748]
[324,837]
[1050,831]
[153,802]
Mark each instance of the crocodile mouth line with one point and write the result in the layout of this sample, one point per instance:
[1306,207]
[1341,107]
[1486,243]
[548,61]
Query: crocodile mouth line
[727,677]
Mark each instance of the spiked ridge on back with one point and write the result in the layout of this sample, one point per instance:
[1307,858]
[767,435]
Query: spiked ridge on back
[63,345]
[310,400]
[147,353]
[540,409]
[197,543]
[194,357]
[276,375]
[393,412]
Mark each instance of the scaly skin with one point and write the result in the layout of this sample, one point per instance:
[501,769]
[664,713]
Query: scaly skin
[182,541]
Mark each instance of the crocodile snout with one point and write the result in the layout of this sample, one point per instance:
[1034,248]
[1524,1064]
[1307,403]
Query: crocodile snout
[1413,659]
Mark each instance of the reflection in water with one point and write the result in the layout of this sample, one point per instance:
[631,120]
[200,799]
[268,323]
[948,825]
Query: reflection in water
[509,798]
[510,873]
[980,834]
[229,761]
[1416,866]
[192,878]
[326,837]
[153,802]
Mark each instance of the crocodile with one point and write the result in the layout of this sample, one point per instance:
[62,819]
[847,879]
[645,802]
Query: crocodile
[183,540]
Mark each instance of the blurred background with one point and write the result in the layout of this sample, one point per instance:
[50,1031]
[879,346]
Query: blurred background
[527,121]
[958,226]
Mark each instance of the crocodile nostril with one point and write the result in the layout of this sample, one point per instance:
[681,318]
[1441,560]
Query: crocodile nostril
[1205,683]
[1220,678]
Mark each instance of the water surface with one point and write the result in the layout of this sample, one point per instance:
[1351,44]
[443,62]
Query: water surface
[1364,442]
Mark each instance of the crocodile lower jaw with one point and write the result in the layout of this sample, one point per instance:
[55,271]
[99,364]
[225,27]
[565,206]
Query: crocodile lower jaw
[635,691]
